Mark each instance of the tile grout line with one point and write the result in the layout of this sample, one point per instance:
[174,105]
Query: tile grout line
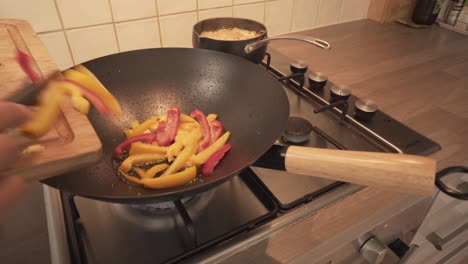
[198,11]
[159,24]
[64,32]
[292,15]
[113,26]
[341,12]
[316,13]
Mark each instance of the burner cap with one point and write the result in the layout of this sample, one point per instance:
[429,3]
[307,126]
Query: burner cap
[299,67]
[365,109]
[298,130]
[317,80]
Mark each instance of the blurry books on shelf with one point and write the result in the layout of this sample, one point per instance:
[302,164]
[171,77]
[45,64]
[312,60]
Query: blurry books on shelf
[454,15]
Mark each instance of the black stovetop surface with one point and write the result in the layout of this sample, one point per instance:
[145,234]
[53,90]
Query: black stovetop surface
[102,232]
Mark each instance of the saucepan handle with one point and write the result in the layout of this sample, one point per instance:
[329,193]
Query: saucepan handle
[397,172]
[314,41]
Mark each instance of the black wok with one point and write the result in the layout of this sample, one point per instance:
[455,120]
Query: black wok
[249,101]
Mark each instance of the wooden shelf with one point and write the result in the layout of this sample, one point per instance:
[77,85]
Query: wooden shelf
[450,27]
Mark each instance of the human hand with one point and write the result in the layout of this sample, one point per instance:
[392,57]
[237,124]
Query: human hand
[11,187]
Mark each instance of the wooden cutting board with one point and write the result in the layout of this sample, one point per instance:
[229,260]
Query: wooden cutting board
[72,143]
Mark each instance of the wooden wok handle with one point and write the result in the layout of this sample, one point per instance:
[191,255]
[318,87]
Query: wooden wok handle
[397,172]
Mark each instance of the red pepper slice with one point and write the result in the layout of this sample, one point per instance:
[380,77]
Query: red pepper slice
[162,137]
[216,130]
[173,121]
[125,146]
[214,159]
[25,61]
[97,101]
[167,131]
[205,127]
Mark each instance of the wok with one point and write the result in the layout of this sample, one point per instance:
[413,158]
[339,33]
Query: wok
[249,101]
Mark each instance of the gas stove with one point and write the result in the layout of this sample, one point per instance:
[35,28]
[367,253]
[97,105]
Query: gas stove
[255,204]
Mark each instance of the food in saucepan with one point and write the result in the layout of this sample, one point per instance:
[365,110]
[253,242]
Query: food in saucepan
[230,34]
[168,151]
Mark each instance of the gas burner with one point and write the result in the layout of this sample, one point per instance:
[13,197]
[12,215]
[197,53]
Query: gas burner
[299,67]
[150,209]
[365,109]
[340,93]
[317,80]
[298,130]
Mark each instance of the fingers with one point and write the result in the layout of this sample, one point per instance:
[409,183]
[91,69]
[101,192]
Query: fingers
[9,151]
[13,115]
[10,191]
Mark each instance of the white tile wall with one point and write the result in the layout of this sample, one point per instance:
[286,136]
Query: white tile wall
[217,12]
[78,30]
[176,30]
[92,42]
[58,48]
[252,11]
[278,15]
[140,34]
[205,4]
[127,9]
[42,14]
[328,14]
[354,10]
[84,12]
[166,7]
[304,14]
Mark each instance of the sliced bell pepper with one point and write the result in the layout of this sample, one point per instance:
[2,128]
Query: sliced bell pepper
[188,126]
[93,85]
[134,124]
[25,61]
[130,178]
[162,138]
[174,150]
[78,102]
[141,172]
[173,121]
[211,117]
[48,111]
[205,127]
[214,159]
[128,163]
[143,148]
[216,130]
[186,119]
[155,169]
[140,129]
[190,147]
[203,156]
[97,101]
[125,146]
[172,180]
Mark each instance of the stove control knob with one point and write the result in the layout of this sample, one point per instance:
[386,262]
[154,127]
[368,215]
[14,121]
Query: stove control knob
[298,67]
[340,93]
[365,109]
[373,250]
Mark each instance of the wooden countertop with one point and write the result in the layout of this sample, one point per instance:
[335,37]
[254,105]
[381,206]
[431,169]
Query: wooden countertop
[418,76]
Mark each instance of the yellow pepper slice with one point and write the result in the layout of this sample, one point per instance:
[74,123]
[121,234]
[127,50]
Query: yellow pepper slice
[47,113]
[174,150]
[139,159]
[140,129]
[186,119]
[188,126]
[130,178]
[94,85]
[134,124]
[211,117]
[78,102]
[204,155]
[190,147]
[172,180]
[143,148]
[155,169]
[141,172]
